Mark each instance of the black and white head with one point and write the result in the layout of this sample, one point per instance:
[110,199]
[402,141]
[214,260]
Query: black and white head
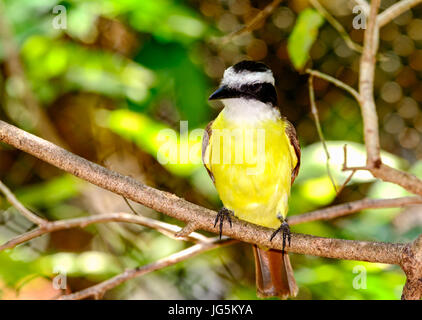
[247,80]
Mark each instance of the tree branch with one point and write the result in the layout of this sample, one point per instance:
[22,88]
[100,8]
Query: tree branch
[365,98]
[404,179]
[185,211]
[411,261]
[395,10]
[388,174]
[187,234]
[314,112]
[408,256]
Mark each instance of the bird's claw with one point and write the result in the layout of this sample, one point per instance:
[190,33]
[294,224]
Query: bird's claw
[286,233]
[223,213]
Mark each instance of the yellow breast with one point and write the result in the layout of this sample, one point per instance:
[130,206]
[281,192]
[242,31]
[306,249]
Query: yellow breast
[252,165]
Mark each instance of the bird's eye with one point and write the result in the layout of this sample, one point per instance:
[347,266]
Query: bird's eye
[252,88]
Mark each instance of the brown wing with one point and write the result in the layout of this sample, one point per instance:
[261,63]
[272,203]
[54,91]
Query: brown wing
[291,133]
[205,141]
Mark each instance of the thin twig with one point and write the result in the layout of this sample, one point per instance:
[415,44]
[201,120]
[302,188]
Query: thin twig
[388,174]
[348,208]
[187,230]
[314,111]
[131,207]
[334,81]
[251,25]
[395,10]
[344,169]
[345,156]
[345,182]
[336,25]
[20,207]
[97,291]
[162,227]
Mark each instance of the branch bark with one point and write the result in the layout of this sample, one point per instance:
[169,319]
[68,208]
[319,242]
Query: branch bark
[366,88]
[412,266]
[404,179]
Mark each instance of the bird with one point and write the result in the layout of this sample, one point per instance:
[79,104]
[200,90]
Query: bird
[252,154]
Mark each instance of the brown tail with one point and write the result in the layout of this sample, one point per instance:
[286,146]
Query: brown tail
[274,274]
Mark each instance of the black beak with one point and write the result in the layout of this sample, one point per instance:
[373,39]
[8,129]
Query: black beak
[224,92]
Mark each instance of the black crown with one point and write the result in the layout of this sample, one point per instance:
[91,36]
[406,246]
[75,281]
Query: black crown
[251,66]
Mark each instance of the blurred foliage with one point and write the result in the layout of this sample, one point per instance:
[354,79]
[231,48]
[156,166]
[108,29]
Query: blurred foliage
[125,84]
[303,36]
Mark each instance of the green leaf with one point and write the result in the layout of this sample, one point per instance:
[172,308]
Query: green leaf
[303,36]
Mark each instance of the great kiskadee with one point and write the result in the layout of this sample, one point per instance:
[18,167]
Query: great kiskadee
[252,154]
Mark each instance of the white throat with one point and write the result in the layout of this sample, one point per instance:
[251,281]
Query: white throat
[249,110]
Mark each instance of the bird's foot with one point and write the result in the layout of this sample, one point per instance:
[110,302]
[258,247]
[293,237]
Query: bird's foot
[286,232]
[222,214]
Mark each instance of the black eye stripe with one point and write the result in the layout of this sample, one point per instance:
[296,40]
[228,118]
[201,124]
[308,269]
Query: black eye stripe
[264,92]
[254,86]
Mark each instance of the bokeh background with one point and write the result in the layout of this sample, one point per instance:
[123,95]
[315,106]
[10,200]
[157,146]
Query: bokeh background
[123,70]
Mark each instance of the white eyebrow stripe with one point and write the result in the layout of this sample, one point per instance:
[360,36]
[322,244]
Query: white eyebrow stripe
[234,79]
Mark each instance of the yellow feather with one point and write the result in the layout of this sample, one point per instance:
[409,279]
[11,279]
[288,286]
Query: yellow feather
[252,175]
